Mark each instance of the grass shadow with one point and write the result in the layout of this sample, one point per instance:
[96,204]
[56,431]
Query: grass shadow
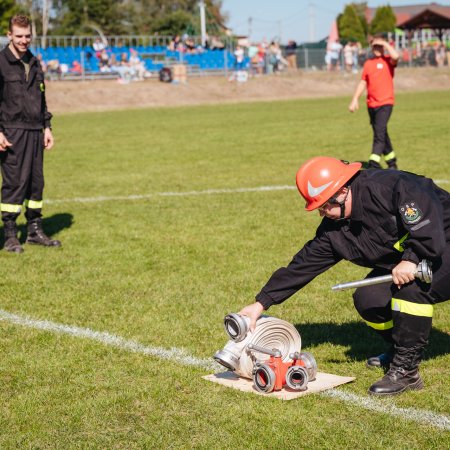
[361,341]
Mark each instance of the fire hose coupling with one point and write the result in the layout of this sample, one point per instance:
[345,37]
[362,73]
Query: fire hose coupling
[274,374]
[270,355]
[423,273]
[236,326]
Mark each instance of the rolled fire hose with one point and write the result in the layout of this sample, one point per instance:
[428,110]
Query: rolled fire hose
[270,333]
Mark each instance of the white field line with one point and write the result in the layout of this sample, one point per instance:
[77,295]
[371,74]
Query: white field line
[181,356]
[172,354]
[181,194]
[171,194]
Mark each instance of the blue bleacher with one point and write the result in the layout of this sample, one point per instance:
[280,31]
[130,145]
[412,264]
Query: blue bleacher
[207,60]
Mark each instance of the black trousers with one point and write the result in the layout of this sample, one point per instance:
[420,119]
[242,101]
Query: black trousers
[22,174]
[379,118]
[404,316]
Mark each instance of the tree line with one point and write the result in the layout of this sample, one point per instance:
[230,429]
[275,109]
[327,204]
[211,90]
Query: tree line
[114,17]
[353,26]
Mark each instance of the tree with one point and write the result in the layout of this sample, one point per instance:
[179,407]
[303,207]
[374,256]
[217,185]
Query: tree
[77,17]
[8,8]
[360,9]
[176,22]
[384,21]
[350,27]
[133,16]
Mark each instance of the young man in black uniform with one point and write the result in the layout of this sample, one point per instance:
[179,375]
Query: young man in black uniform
[388,221]
[24,133]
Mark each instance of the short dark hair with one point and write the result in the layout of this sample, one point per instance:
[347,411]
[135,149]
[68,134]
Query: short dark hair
[19,20]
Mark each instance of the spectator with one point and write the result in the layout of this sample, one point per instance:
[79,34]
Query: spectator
[348,56]
[104,62]
[356,52]
[239,56]
[440,54]
[53,69]
[378,79]
[98,46]
[121,67]
[137,65]
[76,68]
[42,63]
[190,45]
[176,44]
[217,44]
[335,54]
[291,55]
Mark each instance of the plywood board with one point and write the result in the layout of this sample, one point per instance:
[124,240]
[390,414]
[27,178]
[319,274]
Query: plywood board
[322,382]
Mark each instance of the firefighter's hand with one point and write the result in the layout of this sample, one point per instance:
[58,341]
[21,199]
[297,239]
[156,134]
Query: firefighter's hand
[354,105]
[48,139]
[253,312]
[403,273]
[4,143]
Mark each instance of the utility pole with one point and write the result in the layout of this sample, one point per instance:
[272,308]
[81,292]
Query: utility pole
[201,4]
[250,21]
[312,24]
[280,32]
[45,19]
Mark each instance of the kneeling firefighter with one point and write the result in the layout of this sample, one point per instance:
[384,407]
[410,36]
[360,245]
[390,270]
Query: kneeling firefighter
[388,221]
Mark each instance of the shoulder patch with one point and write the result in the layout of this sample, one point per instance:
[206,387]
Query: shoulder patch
[410,212]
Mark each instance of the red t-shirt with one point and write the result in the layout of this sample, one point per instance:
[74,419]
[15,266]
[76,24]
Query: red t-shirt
[378,73]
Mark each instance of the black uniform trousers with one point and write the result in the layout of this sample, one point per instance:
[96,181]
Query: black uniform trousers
[404,316]
[379,118]
[22,173]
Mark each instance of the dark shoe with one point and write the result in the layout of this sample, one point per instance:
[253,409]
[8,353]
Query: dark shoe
[392,164]
[383,360]
[396,381]
[12,244]
[373,165]
[37,236]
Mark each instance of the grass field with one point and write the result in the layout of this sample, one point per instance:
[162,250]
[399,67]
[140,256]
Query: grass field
[159,271]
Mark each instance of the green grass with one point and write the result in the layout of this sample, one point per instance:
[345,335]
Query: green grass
[164,271]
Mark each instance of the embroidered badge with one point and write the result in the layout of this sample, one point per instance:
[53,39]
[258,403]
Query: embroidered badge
[42,87]
[410,212]
[379,65]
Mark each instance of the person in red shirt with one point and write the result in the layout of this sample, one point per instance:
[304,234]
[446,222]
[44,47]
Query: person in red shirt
[378,78]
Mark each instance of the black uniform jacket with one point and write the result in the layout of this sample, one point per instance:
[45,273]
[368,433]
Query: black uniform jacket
[22,102]
[395,216]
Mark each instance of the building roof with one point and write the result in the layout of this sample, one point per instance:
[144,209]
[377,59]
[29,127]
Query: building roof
[405,13]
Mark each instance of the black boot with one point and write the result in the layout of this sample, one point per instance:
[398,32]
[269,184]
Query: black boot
[373,164]
[383,360]
[12,244]
[402,375]
[392,164]
[37,236]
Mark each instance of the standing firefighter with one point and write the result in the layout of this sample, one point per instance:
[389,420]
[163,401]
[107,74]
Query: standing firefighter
[24,133]
[378,78]
[385,220]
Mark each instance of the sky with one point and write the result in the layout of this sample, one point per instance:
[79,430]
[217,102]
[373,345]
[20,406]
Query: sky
[300,20]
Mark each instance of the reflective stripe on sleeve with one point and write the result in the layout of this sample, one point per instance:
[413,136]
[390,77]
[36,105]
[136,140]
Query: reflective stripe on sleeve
[399,244]
[413,309]
[380,326]
[7,207]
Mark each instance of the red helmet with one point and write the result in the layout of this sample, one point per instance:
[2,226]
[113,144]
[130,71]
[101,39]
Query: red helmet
[321,177]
